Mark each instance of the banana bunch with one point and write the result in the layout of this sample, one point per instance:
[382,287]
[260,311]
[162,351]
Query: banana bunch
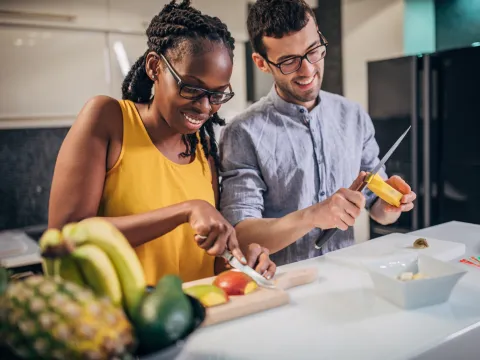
[93,253]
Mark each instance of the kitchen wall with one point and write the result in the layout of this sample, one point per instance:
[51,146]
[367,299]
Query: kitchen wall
[457,23]
[436,25]
[371,29]
[419,26]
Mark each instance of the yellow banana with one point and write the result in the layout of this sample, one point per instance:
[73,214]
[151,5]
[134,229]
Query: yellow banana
[107,237]
[86,266]
[50,238]
[98,272]
[70,271]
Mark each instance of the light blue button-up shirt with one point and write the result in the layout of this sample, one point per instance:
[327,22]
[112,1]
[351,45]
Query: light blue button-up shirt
[278,157]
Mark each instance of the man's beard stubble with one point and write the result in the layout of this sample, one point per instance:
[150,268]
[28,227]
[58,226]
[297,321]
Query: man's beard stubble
[311,95]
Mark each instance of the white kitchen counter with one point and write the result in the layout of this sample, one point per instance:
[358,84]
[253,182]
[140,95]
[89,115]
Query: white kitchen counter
[339,317]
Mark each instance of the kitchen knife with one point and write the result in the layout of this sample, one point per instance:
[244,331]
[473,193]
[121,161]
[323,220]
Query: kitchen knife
[233,261]
[259,279]
[382,189]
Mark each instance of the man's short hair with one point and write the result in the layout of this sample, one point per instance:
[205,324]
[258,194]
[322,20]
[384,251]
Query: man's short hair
[276,18]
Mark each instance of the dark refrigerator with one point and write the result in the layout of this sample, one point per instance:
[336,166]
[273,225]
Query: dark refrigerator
[438,94]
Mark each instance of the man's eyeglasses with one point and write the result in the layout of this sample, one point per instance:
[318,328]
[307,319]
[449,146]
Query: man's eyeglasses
[195,93]
[294,63]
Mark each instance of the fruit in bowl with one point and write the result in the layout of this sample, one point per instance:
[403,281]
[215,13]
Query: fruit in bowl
[414,281]
[165,315]
[42,317]
[94,255]
[235,282]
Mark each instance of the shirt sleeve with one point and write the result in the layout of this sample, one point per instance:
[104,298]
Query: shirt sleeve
[241,179]
[370,155]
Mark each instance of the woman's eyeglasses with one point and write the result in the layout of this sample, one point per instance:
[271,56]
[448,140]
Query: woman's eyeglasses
[294,63]
[195,93]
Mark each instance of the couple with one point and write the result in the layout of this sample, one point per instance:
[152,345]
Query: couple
[149,164]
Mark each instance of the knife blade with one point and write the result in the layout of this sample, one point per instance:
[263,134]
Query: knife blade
[233,261]
[259,279]
[327,234]
[389,152]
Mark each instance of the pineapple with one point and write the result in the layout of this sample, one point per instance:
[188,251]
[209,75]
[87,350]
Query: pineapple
[50,318]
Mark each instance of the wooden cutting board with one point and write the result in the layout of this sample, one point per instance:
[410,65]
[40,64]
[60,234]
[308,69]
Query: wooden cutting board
[395,244]
[259,300]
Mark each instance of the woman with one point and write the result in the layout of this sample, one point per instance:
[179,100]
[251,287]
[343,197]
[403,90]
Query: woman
[148,163]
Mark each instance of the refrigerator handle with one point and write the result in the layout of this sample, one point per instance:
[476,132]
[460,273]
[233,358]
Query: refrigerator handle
[426,84]
[414,139]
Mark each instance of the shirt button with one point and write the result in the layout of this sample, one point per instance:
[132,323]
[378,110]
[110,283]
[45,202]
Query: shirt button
[322,193]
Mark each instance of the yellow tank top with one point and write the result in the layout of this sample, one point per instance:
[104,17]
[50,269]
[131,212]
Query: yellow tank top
[143,179]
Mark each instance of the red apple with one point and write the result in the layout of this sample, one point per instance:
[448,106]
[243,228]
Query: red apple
[235,282]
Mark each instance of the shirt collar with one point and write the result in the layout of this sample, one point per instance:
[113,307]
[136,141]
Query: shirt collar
[288,108]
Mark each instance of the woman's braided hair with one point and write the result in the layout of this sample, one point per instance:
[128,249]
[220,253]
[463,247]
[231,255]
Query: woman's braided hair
[167,31]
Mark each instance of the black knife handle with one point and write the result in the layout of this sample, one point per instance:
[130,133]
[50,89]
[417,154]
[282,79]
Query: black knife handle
[327,234]
[322,239]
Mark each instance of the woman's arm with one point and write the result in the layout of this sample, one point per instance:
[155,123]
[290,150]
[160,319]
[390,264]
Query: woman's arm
[258,257]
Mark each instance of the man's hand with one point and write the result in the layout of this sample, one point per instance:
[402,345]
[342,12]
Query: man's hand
[258,259]
[341,209]
[384,213]
[406,202]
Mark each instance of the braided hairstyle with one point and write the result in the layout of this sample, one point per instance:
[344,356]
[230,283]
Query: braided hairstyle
[178,28]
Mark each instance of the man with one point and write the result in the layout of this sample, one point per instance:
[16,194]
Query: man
[292,161]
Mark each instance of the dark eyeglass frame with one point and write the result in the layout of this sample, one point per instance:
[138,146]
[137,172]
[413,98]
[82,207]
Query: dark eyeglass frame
[323,42]
[205,92]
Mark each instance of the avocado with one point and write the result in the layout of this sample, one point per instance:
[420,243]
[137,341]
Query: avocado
[164,315]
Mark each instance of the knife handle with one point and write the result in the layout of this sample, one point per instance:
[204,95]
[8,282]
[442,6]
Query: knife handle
[322,239]
[327,234]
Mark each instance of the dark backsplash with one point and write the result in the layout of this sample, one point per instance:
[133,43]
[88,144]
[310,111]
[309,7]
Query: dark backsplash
[329,19]
[27,161]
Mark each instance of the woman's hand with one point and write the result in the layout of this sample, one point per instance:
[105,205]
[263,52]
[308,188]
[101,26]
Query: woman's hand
[214,234]
[258,259]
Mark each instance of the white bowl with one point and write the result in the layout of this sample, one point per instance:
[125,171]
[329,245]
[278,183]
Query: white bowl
[436,289]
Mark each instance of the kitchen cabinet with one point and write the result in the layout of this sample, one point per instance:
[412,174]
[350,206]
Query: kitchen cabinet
[232,13]
[58,54]
[65,13]
[50,73]
[124,50]
[133,16]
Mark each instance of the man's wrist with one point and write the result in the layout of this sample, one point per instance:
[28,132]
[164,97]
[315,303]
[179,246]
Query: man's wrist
[377,211]
[380,215]
[306,218]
